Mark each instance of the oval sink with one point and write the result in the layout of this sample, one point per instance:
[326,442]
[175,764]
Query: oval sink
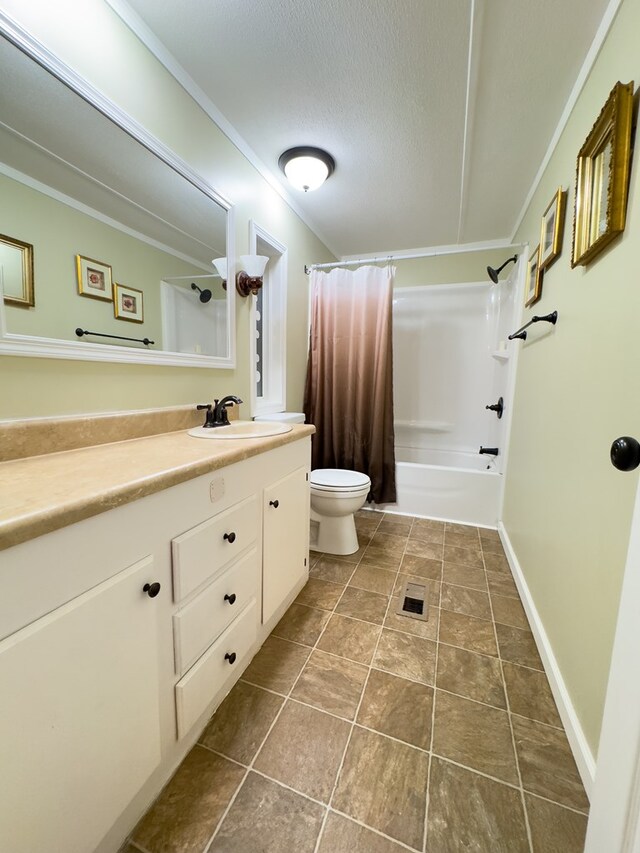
[241,429]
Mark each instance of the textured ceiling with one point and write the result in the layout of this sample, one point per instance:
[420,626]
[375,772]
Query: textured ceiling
[435,143]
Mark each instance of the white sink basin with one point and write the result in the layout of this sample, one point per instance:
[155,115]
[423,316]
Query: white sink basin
[241,429]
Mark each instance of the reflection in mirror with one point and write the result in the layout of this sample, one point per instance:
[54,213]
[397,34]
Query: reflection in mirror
[107,219]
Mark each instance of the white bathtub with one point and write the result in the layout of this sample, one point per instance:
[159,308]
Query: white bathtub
[448,485]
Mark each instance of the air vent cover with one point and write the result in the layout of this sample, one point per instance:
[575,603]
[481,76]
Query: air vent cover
[413,601]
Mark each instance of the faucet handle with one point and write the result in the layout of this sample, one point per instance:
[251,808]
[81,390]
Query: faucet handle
[206,406]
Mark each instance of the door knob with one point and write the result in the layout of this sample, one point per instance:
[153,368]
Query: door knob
[625,453]
[152,589]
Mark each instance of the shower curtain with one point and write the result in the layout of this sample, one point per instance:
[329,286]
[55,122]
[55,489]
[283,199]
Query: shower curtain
[349,390]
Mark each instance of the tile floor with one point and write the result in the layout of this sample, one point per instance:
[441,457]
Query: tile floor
[355,730]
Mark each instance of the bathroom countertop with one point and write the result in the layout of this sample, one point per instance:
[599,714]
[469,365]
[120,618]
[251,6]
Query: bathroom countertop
[40,494]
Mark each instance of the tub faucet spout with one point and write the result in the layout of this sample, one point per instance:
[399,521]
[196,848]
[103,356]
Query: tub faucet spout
[490,451]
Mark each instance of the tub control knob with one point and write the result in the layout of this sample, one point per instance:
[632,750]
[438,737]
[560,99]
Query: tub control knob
[625,453]
[498,407]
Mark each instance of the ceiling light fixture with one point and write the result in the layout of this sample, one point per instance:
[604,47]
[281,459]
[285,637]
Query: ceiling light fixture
[306,168]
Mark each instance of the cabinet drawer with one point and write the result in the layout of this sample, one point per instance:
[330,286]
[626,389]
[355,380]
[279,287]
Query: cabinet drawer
[197,625]
[201,552]
[199,686]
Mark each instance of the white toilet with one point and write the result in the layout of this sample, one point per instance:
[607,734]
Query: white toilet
[335,496]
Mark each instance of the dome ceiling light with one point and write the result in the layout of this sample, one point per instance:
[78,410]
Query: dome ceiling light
[306,168]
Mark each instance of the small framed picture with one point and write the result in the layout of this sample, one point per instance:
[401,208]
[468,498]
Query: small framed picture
[127,304]
[94,278]
[16,272]
[551,230]
[534,279]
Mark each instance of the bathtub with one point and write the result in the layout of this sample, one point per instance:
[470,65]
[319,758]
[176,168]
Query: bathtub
[448,485]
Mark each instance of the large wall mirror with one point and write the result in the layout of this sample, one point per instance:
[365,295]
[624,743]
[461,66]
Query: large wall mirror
[101,234]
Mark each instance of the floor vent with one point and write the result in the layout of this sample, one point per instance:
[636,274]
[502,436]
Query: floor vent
[413,601]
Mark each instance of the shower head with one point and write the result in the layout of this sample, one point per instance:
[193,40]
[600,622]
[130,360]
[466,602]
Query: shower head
[493,274]
[205,295]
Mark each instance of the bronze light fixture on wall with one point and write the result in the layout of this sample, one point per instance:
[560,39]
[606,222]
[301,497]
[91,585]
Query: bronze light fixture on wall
[249,278]
[307,168]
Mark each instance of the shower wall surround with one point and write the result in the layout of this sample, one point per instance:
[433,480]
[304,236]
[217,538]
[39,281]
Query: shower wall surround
[448,366]
[451,361]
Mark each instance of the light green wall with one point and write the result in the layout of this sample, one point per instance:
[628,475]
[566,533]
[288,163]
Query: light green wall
[450,269]
[57,233]
[567,510]
[136,82]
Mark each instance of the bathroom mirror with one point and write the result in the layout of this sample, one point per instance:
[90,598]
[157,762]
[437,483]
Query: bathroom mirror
[122,233]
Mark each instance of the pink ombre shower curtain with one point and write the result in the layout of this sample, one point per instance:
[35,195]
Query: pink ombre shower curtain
[349,388]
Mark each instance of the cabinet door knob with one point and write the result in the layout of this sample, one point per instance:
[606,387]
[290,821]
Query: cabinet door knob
[152,589]
[230,657]
[274,504]
[230,598]
[230,537]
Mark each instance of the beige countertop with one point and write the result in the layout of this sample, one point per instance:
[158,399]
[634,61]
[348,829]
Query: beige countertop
[43,493]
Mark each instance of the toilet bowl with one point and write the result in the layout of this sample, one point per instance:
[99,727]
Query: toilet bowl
[335,496]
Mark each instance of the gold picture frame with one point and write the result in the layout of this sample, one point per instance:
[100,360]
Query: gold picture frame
[551,229]
[602,177]
[533,290]
[128,303]
[16,260]
[94,278]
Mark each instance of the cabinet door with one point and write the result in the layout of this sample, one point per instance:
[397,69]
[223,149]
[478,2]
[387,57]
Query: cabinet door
[286,539]
[79,716]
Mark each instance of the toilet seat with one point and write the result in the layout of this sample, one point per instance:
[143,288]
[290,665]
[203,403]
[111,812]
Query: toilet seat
[338,480]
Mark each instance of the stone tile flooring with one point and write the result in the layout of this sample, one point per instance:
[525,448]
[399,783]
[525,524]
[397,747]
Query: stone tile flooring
[355,730]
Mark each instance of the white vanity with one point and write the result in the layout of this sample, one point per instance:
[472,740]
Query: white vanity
[123,631]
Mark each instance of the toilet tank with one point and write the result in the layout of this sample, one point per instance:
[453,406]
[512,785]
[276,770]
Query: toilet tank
[283,417]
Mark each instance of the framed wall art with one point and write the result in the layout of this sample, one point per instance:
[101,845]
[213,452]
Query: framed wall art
[94,278]
[602,177]
[128,303]
[16,264]
[533,289]
[552,228]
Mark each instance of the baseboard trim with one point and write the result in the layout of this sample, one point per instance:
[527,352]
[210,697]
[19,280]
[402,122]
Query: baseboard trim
[577,740]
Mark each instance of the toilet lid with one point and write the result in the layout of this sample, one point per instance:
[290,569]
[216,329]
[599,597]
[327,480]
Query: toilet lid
[337,478]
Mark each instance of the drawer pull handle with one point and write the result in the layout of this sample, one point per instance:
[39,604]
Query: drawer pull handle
[230,598]
[230,657]
[274,504]
[230,537]
[152,589]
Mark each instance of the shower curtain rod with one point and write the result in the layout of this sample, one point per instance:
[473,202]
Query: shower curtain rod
[453,250]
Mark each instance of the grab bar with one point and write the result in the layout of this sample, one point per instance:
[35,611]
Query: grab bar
[548,318]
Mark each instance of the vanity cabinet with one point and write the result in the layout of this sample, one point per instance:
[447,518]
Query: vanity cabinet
[79,715]
[285,539]
[104,687]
